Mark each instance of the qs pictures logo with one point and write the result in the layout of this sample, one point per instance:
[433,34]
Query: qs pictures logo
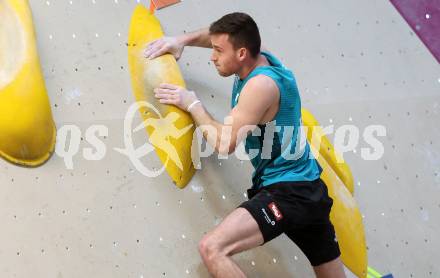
[159,138]
[162,129]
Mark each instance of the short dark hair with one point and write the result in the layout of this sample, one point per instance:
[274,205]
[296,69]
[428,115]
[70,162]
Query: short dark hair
[242,31]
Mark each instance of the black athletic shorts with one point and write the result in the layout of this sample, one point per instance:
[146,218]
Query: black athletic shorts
[300,210]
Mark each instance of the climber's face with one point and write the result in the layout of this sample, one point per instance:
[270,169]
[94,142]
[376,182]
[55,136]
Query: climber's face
[225,57]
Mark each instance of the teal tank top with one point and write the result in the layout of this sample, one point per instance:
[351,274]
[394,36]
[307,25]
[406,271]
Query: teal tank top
[278,150]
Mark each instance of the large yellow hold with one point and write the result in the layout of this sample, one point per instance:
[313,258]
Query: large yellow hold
[172,138]
[345,214]
[326,149]
[27,130]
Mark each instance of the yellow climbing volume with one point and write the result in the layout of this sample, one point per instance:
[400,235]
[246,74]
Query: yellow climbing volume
[345,215]
[170,129]
[27,130]
[327,150]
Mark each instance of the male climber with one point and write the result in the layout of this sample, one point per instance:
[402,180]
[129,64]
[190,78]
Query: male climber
[287,194]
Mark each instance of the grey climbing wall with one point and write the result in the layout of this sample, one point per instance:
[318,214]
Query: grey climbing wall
[357,64]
